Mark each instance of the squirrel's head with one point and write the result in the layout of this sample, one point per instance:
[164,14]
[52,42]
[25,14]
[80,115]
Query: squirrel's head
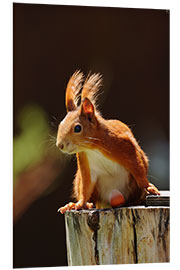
[78,130]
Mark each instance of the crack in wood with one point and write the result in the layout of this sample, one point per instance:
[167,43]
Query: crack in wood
[93,223]
[96,252]
[163,228]
[117,236]
[135,236]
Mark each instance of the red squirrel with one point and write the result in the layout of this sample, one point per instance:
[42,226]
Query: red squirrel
[111,166]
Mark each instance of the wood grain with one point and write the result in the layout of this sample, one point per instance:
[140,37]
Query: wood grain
[118,236]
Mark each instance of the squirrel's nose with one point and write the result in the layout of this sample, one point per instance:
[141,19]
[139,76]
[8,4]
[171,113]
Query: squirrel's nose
[60,145]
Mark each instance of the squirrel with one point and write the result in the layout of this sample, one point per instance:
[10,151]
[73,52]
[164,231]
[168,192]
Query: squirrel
[111,166]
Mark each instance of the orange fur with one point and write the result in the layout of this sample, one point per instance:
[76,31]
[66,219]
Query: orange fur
[110,139]
[72,90]
[83,188]
[91,87]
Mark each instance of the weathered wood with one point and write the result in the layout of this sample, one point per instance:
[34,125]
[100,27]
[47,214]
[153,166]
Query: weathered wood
[79,239]
[117,236]
[162,200]
[152,234]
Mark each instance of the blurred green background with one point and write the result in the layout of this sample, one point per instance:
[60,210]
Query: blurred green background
[28,146]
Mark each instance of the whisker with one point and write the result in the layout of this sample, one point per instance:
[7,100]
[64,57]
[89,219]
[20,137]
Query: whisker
[80,144]
[53,121]
[153,177]
[51,146]
[51,140]
[45,141]
[52,124]
[52,137]
[54,117]
[91,138]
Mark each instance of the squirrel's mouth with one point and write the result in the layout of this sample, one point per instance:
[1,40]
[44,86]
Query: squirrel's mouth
[70,152]
[70,149]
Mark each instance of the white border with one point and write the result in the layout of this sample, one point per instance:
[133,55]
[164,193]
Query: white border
[6,135]
[155,4]
[6,124]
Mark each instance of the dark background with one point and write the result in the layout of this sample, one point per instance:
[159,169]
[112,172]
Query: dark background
[130,47]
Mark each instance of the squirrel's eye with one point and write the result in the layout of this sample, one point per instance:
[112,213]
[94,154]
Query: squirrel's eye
[77,128]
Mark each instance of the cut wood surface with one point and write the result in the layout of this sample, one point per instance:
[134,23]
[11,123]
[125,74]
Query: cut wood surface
[123,235]
[162,200]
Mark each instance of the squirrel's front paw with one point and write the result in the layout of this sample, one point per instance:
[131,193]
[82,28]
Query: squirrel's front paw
[151,189]
[75,206]
[67,207]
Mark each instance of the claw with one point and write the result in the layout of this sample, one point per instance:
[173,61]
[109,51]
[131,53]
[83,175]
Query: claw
[151,189]
[77,206]
[89,205]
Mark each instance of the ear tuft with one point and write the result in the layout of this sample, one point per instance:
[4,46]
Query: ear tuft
[91,86]
[73,89]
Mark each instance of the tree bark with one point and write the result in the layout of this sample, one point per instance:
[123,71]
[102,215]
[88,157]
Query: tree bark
[118,236]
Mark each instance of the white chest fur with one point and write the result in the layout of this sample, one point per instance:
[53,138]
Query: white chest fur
[107,174]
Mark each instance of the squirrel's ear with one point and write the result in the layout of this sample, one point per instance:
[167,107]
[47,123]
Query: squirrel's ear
[72,90]
[87,108]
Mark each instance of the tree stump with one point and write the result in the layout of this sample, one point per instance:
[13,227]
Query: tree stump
[123,235]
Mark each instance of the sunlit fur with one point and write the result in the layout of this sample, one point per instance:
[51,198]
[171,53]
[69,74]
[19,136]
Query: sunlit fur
[108,156]
[73,89]
[107,174]
[91,87]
